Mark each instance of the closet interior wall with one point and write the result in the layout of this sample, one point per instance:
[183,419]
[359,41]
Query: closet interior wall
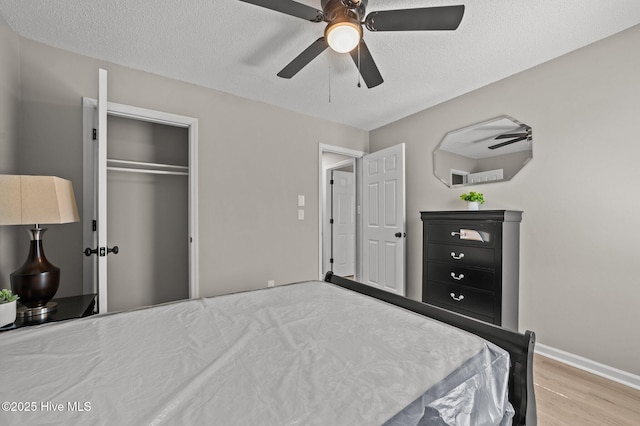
[148,199]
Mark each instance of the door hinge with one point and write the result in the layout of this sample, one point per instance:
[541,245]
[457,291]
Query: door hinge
[331,260]
[331,182]
[94,134]
[94,225]
[331,221]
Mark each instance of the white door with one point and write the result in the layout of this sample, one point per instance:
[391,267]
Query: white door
[344,223]
[101,187]
[383,228]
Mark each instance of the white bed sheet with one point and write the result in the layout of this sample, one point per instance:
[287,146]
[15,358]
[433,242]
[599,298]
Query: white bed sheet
[303,354]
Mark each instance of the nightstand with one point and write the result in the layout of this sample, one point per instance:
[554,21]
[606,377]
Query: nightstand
[68,308]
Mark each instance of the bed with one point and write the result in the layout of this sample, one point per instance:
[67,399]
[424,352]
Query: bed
[335,352]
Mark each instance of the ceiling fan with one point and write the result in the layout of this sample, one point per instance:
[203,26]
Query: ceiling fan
[515,137]
[343,33]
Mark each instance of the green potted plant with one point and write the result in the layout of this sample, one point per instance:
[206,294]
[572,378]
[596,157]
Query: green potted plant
[473,199]
[7,307]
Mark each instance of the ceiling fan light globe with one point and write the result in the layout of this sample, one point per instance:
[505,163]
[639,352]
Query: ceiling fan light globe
[343,36]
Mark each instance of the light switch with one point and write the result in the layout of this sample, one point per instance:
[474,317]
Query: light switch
[300,200]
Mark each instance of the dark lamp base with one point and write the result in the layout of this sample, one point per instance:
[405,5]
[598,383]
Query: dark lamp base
[37,280]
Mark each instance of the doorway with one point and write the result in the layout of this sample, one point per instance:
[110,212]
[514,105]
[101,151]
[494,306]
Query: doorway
[379,215]
[136,178]
[338,240]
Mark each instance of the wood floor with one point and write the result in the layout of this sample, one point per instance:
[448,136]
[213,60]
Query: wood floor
[567,396]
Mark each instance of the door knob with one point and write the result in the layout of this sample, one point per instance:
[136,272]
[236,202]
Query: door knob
[89,251]
[103,251]
[401,234]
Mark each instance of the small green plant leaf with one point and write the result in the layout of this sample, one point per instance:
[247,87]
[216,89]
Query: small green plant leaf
[6,296]
[473,196]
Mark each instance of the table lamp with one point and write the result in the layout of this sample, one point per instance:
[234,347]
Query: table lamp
[36,200]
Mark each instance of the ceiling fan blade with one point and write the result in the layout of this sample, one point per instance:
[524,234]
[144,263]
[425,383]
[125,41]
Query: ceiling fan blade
[367,66]
[290,7]
[300,61]
[510,135]
[424,19]
[500,145]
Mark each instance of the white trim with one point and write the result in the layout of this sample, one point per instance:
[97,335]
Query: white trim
[194,258]
[340,150]
[190,123]
[322,148]
[149,115]
[599,369]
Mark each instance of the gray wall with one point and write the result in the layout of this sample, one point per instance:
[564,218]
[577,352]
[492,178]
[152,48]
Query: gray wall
[254,159]
[579,286]
[10,257]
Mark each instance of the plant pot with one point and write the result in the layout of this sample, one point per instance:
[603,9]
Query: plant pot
[473,205]
[7,313]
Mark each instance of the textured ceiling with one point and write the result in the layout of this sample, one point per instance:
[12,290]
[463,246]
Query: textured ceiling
[239,48]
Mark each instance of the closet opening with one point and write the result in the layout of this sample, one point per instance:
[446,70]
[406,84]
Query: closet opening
[151,207]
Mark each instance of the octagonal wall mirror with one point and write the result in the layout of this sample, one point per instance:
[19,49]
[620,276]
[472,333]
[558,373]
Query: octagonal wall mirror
[491,151]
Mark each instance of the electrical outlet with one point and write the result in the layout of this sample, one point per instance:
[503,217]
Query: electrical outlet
[300,214]
[271,283]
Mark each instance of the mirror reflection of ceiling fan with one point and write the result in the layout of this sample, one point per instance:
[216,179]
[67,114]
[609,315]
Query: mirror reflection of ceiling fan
[343,33]
[515,137]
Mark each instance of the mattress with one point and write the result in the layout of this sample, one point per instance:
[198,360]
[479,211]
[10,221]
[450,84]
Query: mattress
[302,354]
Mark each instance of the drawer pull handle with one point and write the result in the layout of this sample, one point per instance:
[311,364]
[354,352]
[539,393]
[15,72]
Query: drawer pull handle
[453,234]
[457,299]
[457,257]
[459,277]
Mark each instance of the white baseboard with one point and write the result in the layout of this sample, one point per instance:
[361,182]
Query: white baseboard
[611,373]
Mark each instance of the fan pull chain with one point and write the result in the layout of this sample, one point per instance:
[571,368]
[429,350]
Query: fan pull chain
[359,65]
[329,81]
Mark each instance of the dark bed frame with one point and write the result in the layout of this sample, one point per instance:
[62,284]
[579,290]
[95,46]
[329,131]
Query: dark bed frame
[520,346]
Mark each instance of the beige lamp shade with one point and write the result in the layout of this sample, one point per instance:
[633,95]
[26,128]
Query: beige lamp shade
[28,200]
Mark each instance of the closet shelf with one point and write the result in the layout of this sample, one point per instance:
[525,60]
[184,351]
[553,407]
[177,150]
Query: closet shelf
[145,167]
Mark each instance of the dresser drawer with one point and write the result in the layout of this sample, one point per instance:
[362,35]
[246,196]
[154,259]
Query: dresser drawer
[454,274]
[461,298]
[468,233]
[461,255]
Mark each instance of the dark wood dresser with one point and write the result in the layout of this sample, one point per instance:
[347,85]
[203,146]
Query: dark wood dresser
[470,263]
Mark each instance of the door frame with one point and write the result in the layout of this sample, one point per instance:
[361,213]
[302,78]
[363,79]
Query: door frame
[89,113]
[322,182]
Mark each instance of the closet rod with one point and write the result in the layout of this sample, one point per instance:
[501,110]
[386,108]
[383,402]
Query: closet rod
[144,164]
[155,172]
